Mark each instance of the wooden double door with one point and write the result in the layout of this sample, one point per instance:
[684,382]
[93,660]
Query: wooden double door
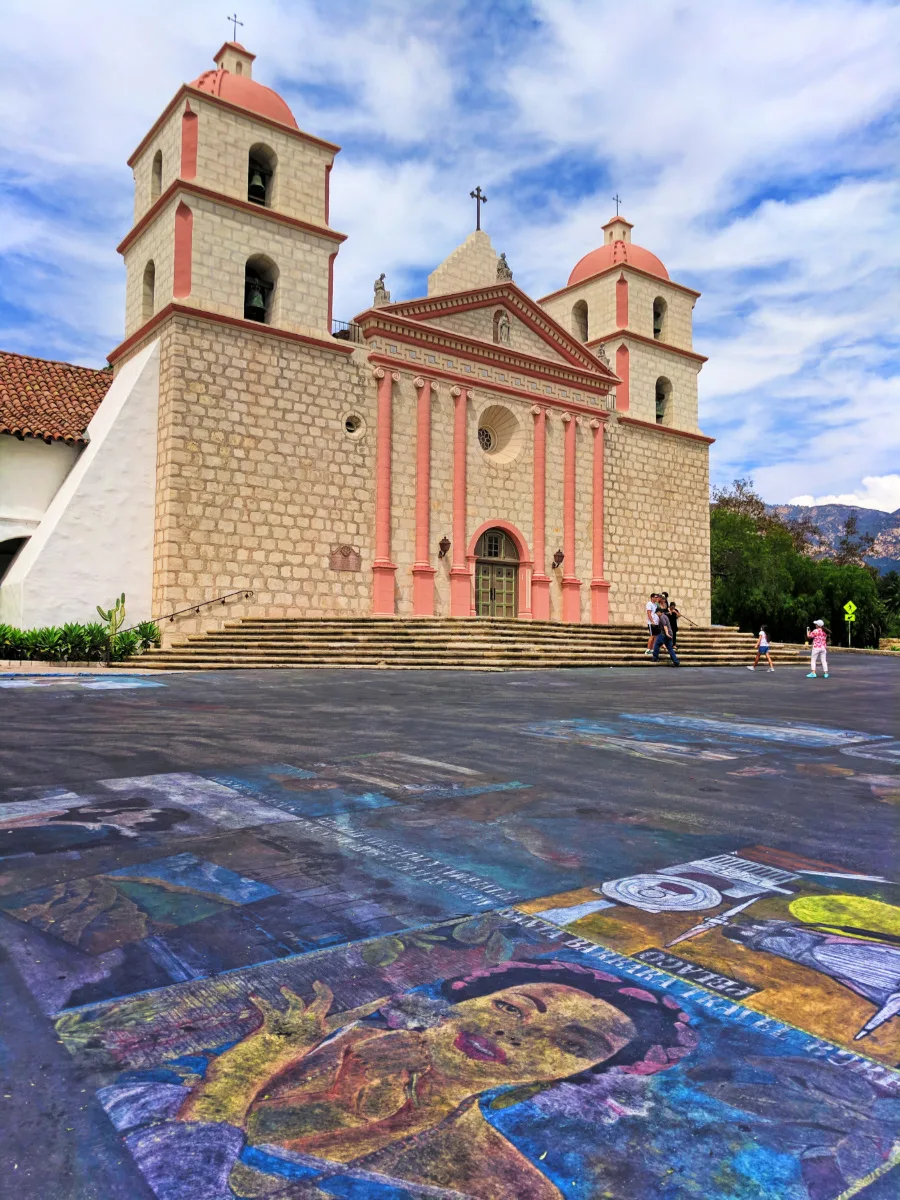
[496,575]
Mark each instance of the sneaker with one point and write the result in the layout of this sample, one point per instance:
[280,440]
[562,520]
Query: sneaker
[648,653]
[811,675]
[771,670]
[825,676]
[751,668]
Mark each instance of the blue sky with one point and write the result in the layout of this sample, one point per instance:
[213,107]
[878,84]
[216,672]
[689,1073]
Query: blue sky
[755,146]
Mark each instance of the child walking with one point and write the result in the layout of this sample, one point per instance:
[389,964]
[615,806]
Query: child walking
[762,650]
[819,636]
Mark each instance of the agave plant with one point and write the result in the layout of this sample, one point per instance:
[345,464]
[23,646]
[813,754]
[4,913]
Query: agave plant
[126,643]
[148,632]
[49,643]
[96,640]
[75,642]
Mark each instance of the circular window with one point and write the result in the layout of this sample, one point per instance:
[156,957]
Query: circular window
[354,426]
[500,435]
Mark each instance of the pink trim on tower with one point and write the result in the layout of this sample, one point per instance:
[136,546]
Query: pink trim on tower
[184,239]
[540,580]
[599,585]
[383,568]
[189,135]
[622,302]
[571,584]
[331,258]
[622,370]
[423,571]
[460,579]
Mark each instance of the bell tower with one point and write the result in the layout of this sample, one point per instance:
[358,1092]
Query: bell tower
[231,208]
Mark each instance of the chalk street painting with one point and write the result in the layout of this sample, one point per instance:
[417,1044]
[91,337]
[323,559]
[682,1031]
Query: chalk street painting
[686,738]
[317,978]
[808,942]
[493,1057]
[84,683]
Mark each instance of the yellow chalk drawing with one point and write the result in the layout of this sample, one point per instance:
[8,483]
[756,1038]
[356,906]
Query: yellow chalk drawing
[848,915]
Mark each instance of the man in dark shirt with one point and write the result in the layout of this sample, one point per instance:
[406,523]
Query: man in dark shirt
[664,638]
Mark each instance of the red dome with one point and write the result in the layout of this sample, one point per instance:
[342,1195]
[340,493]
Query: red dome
[614,254]
[245,93]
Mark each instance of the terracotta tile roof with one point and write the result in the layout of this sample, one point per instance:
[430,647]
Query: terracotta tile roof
[49,400]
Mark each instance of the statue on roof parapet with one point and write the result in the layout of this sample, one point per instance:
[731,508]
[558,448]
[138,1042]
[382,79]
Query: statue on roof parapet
[382,295]
[504,270]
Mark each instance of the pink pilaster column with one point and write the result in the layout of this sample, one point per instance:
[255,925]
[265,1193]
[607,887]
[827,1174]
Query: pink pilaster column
[423,571]
[571,584]
[383,568]
[599,586]
[460,579]
[540,580]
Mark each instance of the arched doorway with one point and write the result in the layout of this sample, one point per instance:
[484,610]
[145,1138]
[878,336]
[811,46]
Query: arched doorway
[496,575]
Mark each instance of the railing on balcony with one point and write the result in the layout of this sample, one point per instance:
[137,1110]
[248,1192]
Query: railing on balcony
[346,331]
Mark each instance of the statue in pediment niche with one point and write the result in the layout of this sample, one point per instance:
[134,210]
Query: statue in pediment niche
[501,328]
[382,295]
[504,270]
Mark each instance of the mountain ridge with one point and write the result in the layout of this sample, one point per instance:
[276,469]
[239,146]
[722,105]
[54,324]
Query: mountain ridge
[830,519]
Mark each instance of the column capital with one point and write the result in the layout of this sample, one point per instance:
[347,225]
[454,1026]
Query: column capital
[419,382]
[595,424]
[395,375]
[378,372]
[536,410]
[456,391]
[567,417]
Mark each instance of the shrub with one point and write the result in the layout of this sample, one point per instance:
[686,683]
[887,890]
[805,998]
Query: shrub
[75,642]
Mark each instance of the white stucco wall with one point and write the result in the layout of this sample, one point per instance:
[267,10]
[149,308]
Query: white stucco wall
[95,539]
[31,472]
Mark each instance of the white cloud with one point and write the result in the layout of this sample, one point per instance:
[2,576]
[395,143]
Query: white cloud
[752,144]
[877,491]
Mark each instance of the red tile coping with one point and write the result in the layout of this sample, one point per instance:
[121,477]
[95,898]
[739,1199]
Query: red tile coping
[54,401]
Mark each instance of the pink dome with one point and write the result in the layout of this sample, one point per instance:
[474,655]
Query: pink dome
[614,254]
[245,93]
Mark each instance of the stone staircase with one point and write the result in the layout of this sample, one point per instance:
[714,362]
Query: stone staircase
[427,644]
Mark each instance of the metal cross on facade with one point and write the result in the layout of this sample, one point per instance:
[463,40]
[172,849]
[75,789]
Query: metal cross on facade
[479,199]
[235,22]
[618,200]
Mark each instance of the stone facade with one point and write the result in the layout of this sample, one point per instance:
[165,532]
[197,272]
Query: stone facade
[293,465]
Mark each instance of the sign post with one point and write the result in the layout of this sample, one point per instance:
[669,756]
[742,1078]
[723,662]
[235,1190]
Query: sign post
[849,617]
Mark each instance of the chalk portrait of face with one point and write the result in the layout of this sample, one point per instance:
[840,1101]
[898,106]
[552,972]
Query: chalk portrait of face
[397,1090]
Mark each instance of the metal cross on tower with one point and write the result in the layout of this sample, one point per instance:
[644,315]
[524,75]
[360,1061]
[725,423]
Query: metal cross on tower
[618,200]
[479,199]
[235,22]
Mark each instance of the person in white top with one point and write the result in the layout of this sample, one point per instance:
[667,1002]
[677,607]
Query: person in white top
[762,650]
[652,621]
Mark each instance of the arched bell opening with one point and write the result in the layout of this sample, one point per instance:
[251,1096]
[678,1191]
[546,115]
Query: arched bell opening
[663,401]
[496,575]
[660,322]
[260,280]
[261,165]
[156,176]
[580,320]
[148,291]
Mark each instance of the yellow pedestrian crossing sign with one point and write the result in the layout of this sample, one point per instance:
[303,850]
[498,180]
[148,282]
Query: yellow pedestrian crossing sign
[850,609]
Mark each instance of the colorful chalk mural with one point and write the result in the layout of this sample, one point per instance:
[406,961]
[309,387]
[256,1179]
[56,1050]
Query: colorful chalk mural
[85,683]
[390,976]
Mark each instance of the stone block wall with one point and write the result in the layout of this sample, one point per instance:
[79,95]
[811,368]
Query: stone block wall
[258,480]
[167,139]
[642,291]
[473,264]
[646,365]
[600,297]
[156,243]
[224,238]
[657,521]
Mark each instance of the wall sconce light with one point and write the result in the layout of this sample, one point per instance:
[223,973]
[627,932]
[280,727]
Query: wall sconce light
[558,558]
[443,547]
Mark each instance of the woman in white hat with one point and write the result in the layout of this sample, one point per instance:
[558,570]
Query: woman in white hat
[819,636]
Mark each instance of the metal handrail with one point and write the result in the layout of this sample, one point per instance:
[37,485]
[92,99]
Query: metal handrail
[194,608]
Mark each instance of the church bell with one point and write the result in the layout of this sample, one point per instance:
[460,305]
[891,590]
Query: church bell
[256,190]
[255,301]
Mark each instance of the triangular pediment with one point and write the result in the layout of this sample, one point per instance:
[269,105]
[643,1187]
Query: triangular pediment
[500,314]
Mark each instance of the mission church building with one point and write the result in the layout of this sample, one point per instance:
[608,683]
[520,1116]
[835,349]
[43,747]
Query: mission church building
[469,453]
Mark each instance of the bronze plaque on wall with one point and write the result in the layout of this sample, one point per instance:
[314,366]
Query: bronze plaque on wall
[345,558]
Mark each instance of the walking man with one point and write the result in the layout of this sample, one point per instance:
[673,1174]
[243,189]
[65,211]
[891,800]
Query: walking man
[664,638]
[819,636]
